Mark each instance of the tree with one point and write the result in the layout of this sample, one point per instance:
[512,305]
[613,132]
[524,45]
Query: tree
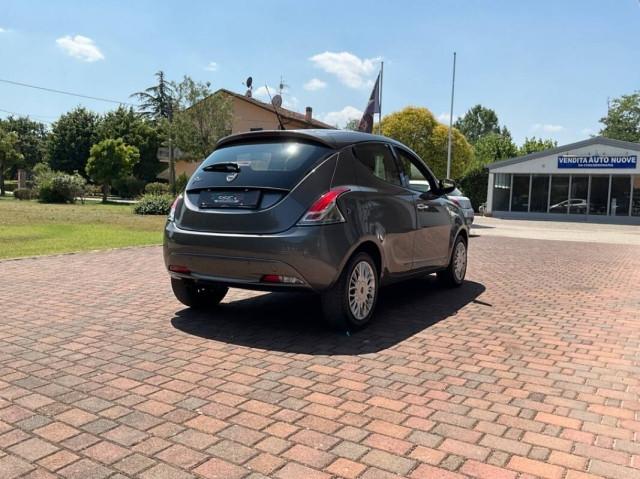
[533,145]
[9,153]
[71,139]
[418,129]
[158,103]
[478,122]
[623,118]
[136,131]
[32,139]
[352,124]
[493,147]
[110,160]
[201,118]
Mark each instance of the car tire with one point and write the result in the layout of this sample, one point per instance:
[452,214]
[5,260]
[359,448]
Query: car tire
[350,303]
[195,296]
[454,275]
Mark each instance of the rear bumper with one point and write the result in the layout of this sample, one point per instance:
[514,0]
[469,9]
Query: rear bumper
[312,254]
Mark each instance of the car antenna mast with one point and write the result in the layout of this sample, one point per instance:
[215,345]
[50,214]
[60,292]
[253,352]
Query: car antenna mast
[276,101]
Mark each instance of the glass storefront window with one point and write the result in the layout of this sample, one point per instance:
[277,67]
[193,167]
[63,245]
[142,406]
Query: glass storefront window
[578,197]
[539,193]
[559,194]
[599,195]
[635,207]
[520,196]
[620,195]
[501,191]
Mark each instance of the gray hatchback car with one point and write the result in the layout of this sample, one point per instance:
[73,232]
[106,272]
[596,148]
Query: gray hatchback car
[334,212]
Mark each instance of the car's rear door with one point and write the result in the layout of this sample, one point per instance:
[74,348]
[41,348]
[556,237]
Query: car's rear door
[433,232]
[385,208]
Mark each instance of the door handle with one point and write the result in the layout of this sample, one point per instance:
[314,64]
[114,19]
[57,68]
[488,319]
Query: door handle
[422,206]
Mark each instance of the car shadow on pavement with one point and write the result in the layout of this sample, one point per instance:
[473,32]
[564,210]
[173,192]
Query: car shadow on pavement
[292,322]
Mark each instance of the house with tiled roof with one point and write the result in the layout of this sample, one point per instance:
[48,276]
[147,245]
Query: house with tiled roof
[249,114]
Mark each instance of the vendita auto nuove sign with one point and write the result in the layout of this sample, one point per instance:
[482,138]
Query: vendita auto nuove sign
[597,161]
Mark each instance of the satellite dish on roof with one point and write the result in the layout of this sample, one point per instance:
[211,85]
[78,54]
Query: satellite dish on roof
[276,101]
[248,83]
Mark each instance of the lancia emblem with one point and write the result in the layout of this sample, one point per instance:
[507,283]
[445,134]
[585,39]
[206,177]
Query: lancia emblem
[231,177]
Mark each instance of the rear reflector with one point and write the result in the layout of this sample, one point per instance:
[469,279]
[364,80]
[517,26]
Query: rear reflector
[276,278]
[177,268]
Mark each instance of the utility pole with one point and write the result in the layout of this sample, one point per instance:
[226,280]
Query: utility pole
[380,100]
[453,86]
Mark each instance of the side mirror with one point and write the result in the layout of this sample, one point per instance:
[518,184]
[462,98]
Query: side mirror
[446,186]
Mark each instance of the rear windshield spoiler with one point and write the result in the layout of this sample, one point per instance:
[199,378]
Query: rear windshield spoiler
[273,135]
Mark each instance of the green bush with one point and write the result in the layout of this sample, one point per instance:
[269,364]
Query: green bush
[474,186]
[154,205]
[128,187]
[60,187]
[24,194]
[156,188]
[181,182]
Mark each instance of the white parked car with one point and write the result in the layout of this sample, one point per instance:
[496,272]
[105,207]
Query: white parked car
[463,202]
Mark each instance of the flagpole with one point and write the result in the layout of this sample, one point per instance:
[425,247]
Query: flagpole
[380,99]
[453,86]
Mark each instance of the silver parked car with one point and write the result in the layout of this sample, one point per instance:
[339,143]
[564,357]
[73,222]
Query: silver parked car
[464,203]
[337,213]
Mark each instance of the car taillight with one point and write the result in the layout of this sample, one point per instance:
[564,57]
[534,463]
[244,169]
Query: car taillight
[325,209]
[453,200]
[172,211]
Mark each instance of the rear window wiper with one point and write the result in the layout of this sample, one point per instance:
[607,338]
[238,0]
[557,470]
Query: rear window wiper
[223,167]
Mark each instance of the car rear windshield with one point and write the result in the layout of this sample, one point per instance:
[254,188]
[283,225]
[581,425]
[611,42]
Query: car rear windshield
[280,164]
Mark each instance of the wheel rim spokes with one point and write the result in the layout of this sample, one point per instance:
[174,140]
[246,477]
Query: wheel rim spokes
[362,286]
[460,261]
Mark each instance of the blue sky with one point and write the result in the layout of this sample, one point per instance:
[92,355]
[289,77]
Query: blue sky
[546,67]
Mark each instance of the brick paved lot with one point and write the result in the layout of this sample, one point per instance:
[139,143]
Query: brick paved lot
[531,369]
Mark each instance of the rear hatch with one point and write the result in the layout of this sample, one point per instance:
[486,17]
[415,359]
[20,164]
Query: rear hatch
[256,187]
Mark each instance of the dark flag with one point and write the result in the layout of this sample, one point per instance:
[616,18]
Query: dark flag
[373,107]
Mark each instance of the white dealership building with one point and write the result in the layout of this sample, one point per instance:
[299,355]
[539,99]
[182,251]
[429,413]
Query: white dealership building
[594,180]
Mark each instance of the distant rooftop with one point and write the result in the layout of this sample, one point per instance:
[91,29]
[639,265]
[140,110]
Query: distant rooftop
[284,113]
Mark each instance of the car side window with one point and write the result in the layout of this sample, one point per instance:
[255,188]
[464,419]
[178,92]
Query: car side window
[377,158]
[413,175]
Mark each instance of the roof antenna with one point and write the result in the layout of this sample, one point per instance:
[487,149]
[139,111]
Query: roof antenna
[282,85]
[276,101]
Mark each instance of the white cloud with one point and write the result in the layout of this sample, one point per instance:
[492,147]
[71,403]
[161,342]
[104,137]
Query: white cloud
[3,30]
[588,131]
[262,92]
[341,117]
[211,67]
[350,70]
[80,47]
[548,127]
[444,118]
[315,84]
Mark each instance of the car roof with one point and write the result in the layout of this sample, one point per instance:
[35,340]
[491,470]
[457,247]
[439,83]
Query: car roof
[335,139]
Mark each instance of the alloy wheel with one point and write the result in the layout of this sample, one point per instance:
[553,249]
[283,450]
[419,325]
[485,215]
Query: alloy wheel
[362,289]
[460,261]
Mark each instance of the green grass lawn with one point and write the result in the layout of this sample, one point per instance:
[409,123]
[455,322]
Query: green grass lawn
[29,228]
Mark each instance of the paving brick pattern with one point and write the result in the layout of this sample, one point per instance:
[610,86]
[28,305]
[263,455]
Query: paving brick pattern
[531,369]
